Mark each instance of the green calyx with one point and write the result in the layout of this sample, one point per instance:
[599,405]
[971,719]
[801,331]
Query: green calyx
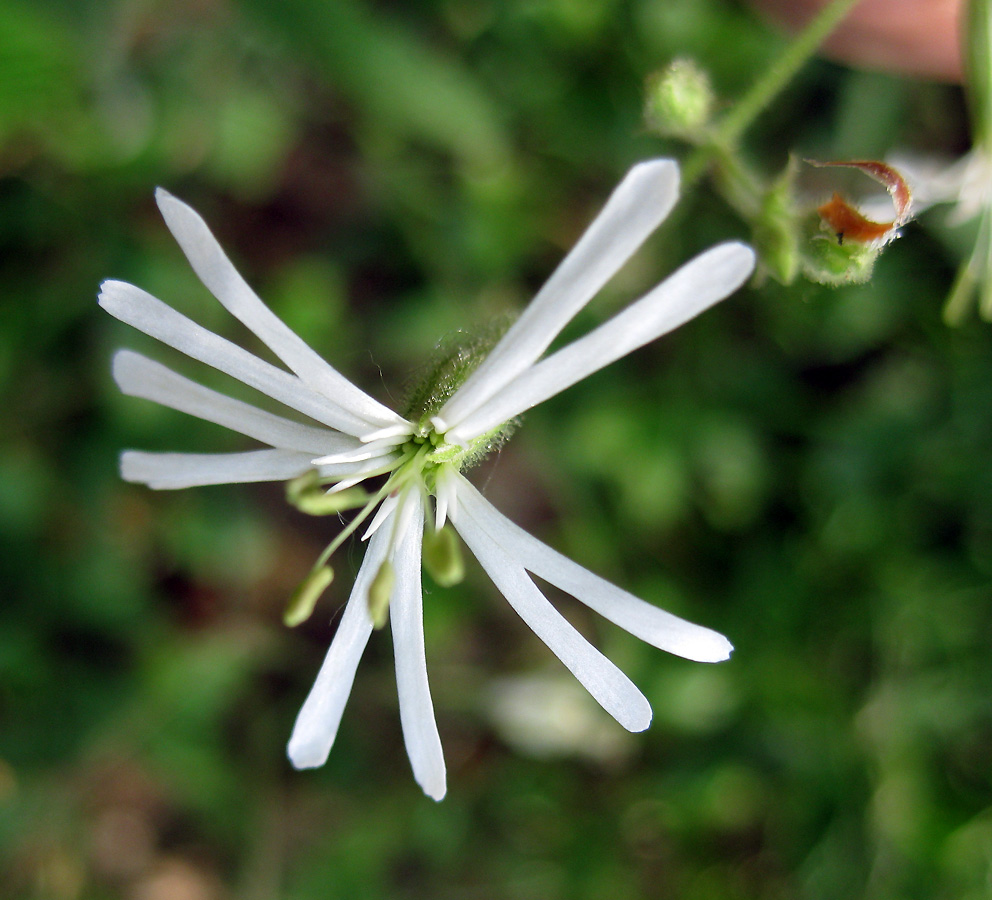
[830,260]
[455,358]
[775,231]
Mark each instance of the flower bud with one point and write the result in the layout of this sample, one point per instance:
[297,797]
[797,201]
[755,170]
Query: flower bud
[679,101]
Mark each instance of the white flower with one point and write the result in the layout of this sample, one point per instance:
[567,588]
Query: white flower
[965,183]
[417,456]
[545,715]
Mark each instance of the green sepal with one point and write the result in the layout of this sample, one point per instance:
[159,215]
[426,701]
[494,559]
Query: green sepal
[443,556]
[305,597]
[776,232]
[829,259]
[454,359]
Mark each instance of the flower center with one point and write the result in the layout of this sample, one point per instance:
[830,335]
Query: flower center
[425,462]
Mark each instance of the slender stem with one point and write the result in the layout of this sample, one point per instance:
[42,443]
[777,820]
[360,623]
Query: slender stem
[764,90]
[977,39]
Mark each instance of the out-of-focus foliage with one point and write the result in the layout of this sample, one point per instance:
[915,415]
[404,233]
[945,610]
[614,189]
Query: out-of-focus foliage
[807,471]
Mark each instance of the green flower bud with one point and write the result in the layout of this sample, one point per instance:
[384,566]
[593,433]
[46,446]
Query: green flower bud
[443,556]
[679,101]
[380,593]
[305,597]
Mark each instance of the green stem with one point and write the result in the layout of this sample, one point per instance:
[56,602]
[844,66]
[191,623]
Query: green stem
[766,88]
[977,39]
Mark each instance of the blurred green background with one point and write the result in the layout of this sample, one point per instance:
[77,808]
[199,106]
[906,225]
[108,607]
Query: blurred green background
[806,470]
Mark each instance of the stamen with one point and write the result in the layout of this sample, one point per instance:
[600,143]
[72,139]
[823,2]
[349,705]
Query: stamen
[308,495]
[380,593]
[443,557]
[305,597]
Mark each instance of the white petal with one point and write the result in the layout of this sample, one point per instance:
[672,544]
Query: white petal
[169,471]
[356,472]
[217,272]
[150,315]
[364,451]
[611,688]
[406,616]
[385,510]
[445,499]
[317,724]
[635,209]
[402,430]
[440,510]
[138,376]
[649,623]
[696,286]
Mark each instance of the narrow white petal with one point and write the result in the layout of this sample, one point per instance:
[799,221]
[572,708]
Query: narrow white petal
[364,451]
[357,471]
[444,497]
[170,471]
[138,376]
[696,286]
[150,315]
[217,272]
[612,689]
[345,483]
[440,511]
[405,516]
[402,430]
[406,616]
[317,724]
[649,623]
[637,206]
[385,510]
